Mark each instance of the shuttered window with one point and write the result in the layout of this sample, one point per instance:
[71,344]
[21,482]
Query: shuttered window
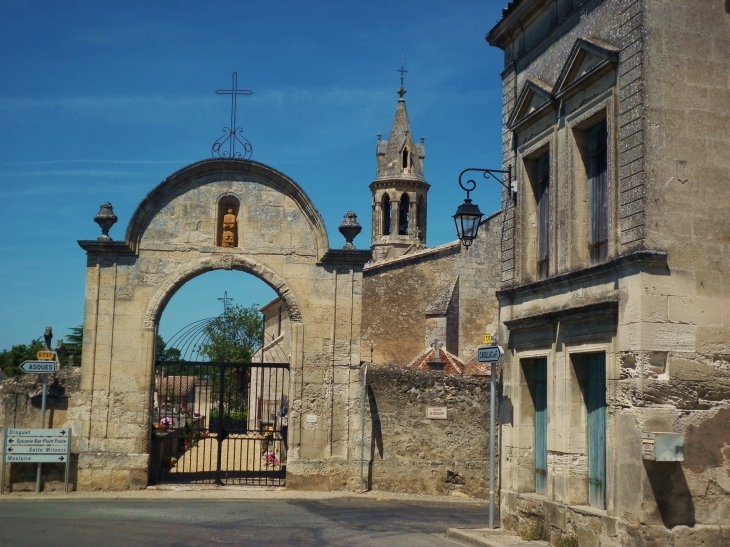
[597,165]
[596,408]
[540,399]
[542,188]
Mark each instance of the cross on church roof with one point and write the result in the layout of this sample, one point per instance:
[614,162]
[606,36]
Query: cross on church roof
[232,133]
[402,71]
[225,301]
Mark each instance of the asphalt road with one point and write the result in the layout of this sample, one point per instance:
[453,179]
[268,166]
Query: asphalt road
[178,523]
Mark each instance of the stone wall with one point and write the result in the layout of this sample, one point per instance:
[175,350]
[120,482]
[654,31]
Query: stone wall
[20,407]
[407,452]
[396,294]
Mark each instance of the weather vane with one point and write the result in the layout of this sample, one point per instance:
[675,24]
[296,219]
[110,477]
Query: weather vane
[233,134]
[402,90]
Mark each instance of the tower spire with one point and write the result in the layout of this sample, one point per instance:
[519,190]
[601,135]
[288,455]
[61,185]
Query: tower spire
[399,189]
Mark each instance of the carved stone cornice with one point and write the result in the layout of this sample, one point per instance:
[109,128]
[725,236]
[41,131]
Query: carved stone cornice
[94,246]
[357,257]
[644,260]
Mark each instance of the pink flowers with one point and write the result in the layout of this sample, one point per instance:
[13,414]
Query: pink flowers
[271,459]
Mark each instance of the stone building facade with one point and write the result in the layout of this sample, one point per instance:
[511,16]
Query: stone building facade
[414,295]
[444,293]
[615,297]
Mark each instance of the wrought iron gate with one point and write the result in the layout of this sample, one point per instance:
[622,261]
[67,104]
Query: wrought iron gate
[219,423]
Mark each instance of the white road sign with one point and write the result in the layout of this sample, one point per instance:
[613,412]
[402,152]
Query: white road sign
[15,432]
[37,441]
[39,367]
[489,354]
[36,449]
[35,458]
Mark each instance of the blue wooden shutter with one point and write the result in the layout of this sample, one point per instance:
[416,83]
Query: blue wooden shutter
[541,426]
[596,407]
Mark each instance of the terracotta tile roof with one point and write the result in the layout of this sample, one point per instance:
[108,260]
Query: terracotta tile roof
[452,364]
[475,368]
[178,385]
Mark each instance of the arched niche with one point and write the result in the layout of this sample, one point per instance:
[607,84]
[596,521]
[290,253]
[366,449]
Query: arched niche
[227,228]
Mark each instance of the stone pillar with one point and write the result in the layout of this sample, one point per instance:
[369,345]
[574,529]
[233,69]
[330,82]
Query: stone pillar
[394,217]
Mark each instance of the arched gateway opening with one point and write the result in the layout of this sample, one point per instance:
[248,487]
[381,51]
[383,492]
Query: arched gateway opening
[232,215]
[221,389]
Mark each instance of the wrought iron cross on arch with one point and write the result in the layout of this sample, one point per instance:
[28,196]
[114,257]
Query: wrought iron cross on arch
[233,134]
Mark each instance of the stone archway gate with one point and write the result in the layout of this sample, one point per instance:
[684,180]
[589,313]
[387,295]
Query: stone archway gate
[177,233]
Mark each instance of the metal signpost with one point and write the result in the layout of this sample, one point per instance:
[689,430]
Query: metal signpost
[491,354]
[41,451]
[36,446]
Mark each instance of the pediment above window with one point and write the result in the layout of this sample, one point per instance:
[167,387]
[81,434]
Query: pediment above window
[588,60]
[534,99]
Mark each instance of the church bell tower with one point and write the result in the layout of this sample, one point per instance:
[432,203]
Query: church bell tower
[399,189]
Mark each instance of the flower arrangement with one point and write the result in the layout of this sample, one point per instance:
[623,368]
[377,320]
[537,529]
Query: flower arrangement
[270,459]
[167,421]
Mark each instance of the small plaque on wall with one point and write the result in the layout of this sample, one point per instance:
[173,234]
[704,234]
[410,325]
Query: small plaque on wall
[436,413]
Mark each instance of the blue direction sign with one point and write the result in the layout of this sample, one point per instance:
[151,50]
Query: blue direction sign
[39,367]
[35,446]
[490,354]
[17,432]
[36,458]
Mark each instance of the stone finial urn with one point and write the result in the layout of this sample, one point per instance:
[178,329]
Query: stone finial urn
[105,218]
[349,229]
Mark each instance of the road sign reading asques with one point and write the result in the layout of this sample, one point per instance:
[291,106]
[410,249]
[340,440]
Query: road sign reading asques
[39,367]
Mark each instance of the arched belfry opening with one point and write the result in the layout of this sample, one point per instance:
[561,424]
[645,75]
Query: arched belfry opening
[386,212]
[404,215]
[231,215]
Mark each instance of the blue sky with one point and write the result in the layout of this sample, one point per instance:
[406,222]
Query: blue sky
[100,101]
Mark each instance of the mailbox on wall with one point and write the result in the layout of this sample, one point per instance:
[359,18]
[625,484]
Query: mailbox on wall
[663,447]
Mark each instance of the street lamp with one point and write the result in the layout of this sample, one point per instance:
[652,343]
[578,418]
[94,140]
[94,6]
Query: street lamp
[468,216]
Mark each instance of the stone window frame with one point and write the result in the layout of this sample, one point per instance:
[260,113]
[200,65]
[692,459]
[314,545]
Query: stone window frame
[524,417]
[545,141]
[599,108]
[576,426]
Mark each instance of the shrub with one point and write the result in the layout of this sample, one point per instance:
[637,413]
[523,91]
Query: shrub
[531,531]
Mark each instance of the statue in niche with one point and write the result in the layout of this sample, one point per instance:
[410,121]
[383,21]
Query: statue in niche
[228,235]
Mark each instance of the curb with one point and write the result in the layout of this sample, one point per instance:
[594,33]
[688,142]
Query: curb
[485,537]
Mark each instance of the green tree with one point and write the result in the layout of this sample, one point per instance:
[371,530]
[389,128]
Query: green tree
[72,345]
[164,353]
[10,360]
[234,335]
